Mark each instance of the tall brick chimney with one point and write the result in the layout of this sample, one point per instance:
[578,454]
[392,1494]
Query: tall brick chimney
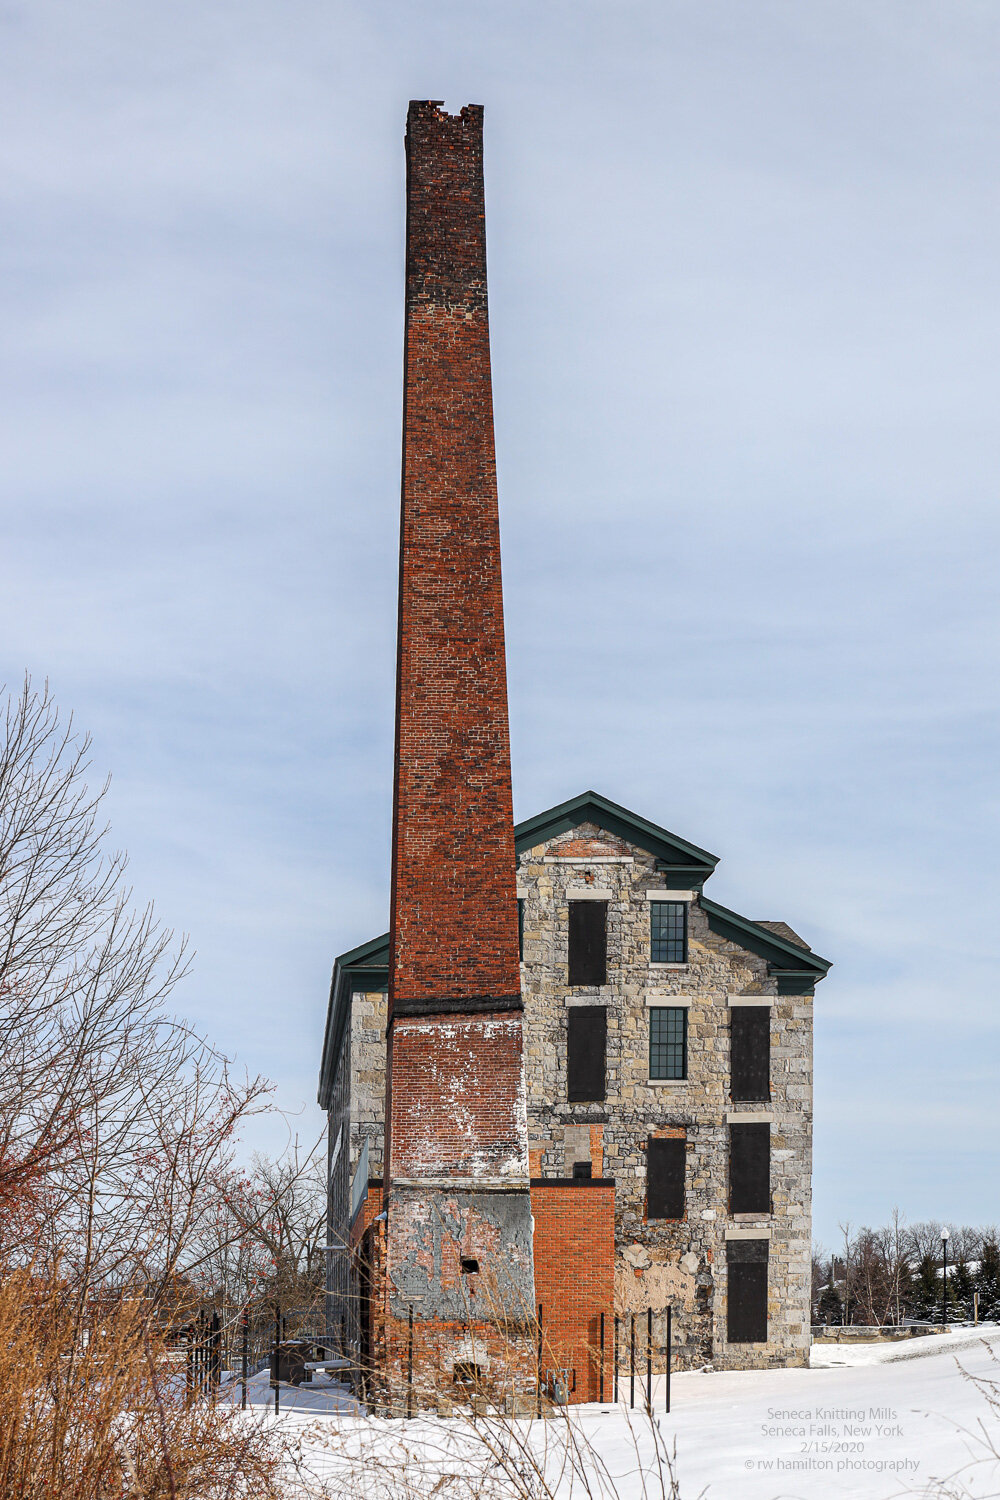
[456,1162]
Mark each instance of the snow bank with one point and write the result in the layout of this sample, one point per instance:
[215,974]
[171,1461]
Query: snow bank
[866,1422]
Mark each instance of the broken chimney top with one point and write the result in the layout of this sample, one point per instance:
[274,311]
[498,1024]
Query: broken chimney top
[445,207]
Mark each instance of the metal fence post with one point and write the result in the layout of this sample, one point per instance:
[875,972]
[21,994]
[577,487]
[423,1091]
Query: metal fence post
[215,1373]
[670,1319]
[615,1397]
[539,1372]
[246,1358]
[649,1359]
[602,1361]
[275,1367]
[631,1366]
[409,1369]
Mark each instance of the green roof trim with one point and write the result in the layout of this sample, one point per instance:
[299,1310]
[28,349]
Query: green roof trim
[372,955]
[796,967]
[364,967]
[591,807]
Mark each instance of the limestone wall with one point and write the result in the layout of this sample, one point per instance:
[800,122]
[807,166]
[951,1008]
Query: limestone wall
[660,1261]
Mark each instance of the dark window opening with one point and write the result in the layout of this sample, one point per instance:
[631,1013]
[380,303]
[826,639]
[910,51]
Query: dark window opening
[586,1053]
[746,1302]
[583,1169]
[470,1266]
[588,942]
[668,1041]
[750,1169]
[668,932]
[750,1060]
[520,926]
[465,1373]
[665,1177]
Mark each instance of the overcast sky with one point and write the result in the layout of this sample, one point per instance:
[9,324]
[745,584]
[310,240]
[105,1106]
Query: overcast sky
[744,276]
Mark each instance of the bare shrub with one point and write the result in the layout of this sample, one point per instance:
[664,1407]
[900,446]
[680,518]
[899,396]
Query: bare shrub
[117,1134]
[94,1405]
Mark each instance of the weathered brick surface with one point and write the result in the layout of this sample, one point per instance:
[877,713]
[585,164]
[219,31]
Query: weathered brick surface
[458,1105]
[453,915]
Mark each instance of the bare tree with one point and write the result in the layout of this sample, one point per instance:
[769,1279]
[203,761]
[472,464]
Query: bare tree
[268,1240]
[116,1119]
[925,1238]
[117,1133]
[894,1245]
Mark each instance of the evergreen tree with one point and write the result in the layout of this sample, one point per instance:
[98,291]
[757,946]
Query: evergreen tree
[987,1280]
[926,1297]
[961,1284]
[830,1308]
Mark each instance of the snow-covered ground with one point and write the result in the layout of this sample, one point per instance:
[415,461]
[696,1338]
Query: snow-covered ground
[868,1421]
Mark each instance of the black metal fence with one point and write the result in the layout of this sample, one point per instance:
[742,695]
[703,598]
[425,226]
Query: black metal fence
[289,1343]
[285,1342]
[648,1351]
[204,1355]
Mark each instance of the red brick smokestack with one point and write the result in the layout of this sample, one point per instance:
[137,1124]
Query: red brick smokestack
[456,1158]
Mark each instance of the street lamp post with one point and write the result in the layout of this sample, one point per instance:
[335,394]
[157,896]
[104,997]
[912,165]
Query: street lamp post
[944,1278]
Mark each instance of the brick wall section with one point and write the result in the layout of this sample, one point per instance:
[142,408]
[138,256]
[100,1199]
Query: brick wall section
[454,918]
[368,1213]
[574,1246]
[452,1115]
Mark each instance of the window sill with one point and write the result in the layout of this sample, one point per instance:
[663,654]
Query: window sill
[661,968]
[669,1083]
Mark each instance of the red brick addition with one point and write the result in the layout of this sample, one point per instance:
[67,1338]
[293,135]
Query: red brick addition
[575,1283]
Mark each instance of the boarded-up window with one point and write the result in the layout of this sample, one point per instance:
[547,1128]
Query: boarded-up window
[665,1178]
[750,1169]
[750,1059]
[588,942]
[746,1312]
[520,927]
[587,1046]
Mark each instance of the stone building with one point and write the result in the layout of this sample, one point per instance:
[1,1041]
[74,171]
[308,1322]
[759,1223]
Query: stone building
[668,1051]
[565,1086]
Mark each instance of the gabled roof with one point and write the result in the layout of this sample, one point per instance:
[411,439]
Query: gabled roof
[795,966]
[688,864]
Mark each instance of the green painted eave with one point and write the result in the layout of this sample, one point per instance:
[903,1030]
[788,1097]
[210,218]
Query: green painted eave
[362,968]
[799,969]
[370,955]
[695,864]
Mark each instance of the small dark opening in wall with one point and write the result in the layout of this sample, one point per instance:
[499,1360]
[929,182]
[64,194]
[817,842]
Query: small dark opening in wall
[583,1169]
[466,1374]
[470,1267]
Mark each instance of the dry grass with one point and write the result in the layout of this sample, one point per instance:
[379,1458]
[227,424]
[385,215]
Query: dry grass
[93,1405]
